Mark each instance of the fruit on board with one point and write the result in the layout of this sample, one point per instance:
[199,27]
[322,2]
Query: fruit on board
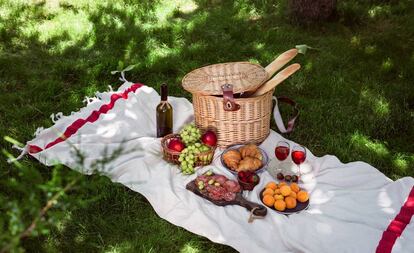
[302,196]
[217,187]
[209,138]
[285,190]
[294,187]
[268,200]
[268,192]
[290,202]
[271,185]
[280,205]
[176,145]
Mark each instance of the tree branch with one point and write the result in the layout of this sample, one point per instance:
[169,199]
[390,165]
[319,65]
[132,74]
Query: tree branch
[49,204]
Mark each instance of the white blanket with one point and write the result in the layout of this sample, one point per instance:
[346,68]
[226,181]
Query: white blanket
[351,205]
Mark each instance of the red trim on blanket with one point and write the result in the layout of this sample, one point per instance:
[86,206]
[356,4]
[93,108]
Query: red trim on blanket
[397,226]
[79,123]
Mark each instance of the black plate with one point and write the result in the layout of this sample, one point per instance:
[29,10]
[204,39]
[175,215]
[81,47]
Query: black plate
[299,207]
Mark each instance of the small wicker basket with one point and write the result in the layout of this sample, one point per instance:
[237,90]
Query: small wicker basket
[171,156]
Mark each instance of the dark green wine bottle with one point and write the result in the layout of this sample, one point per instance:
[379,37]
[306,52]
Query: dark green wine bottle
[164,114]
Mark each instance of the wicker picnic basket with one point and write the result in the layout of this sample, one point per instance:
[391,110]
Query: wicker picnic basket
[219,103]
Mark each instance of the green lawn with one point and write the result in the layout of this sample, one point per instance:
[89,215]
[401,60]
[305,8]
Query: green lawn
[355,93]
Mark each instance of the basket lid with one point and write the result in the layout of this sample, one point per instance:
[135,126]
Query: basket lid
[244,76]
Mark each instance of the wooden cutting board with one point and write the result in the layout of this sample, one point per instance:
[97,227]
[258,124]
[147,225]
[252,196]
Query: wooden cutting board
[239,200]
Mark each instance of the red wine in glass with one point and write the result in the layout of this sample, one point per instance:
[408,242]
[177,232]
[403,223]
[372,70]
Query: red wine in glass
[282,150]
[298,155]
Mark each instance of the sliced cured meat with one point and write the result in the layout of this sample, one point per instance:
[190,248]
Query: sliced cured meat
[216,192]
[220,179]
[229,196]
[225,190]
[232,186]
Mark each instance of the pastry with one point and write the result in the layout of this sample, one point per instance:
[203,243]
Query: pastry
[232,158]
[250,150]
[250,164]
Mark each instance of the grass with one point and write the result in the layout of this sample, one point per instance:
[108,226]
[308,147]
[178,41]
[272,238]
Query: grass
[355,92]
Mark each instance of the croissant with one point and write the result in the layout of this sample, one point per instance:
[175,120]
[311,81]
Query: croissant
[232,158]
[251,150]
[250,164]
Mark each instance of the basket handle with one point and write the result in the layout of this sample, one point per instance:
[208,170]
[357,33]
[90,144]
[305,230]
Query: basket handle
[278,117]
[228,98]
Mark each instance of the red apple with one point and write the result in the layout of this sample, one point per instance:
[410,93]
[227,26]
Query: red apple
[209,138]
[176,144]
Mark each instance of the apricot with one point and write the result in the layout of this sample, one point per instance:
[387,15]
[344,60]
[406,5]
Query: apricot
[280,205]
[268,192]
[290,202]
[268,200]
[271,185]
[277,191]
[278,197]
[282,184]
[293,195]
[302,196]
[294,187]
[285,190]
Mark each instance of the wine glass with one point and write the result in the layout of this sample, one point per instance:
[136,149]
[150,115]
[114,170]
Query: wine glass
[282,150]
[298,156]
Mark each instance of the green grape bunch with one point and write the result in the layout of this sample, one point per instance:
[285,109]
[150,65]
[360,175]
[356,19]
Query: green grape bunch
[190,134]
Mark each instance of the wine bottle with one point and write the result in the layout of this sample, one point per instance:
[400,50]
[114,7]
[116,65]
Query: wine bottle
[164,114]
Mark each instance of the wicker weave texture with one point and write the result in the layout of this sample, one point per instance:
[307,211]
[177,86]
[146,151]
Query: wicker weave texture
[250,124]
[244,76]
[171,156]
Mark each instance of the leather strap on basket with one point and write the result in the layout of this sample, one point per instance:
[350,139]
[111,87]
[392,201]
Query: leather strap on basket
[278,117]
[228,99]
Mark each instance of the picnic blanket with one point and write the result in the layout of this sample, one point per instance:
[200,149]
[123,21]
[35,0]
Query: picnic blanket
[353,206]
